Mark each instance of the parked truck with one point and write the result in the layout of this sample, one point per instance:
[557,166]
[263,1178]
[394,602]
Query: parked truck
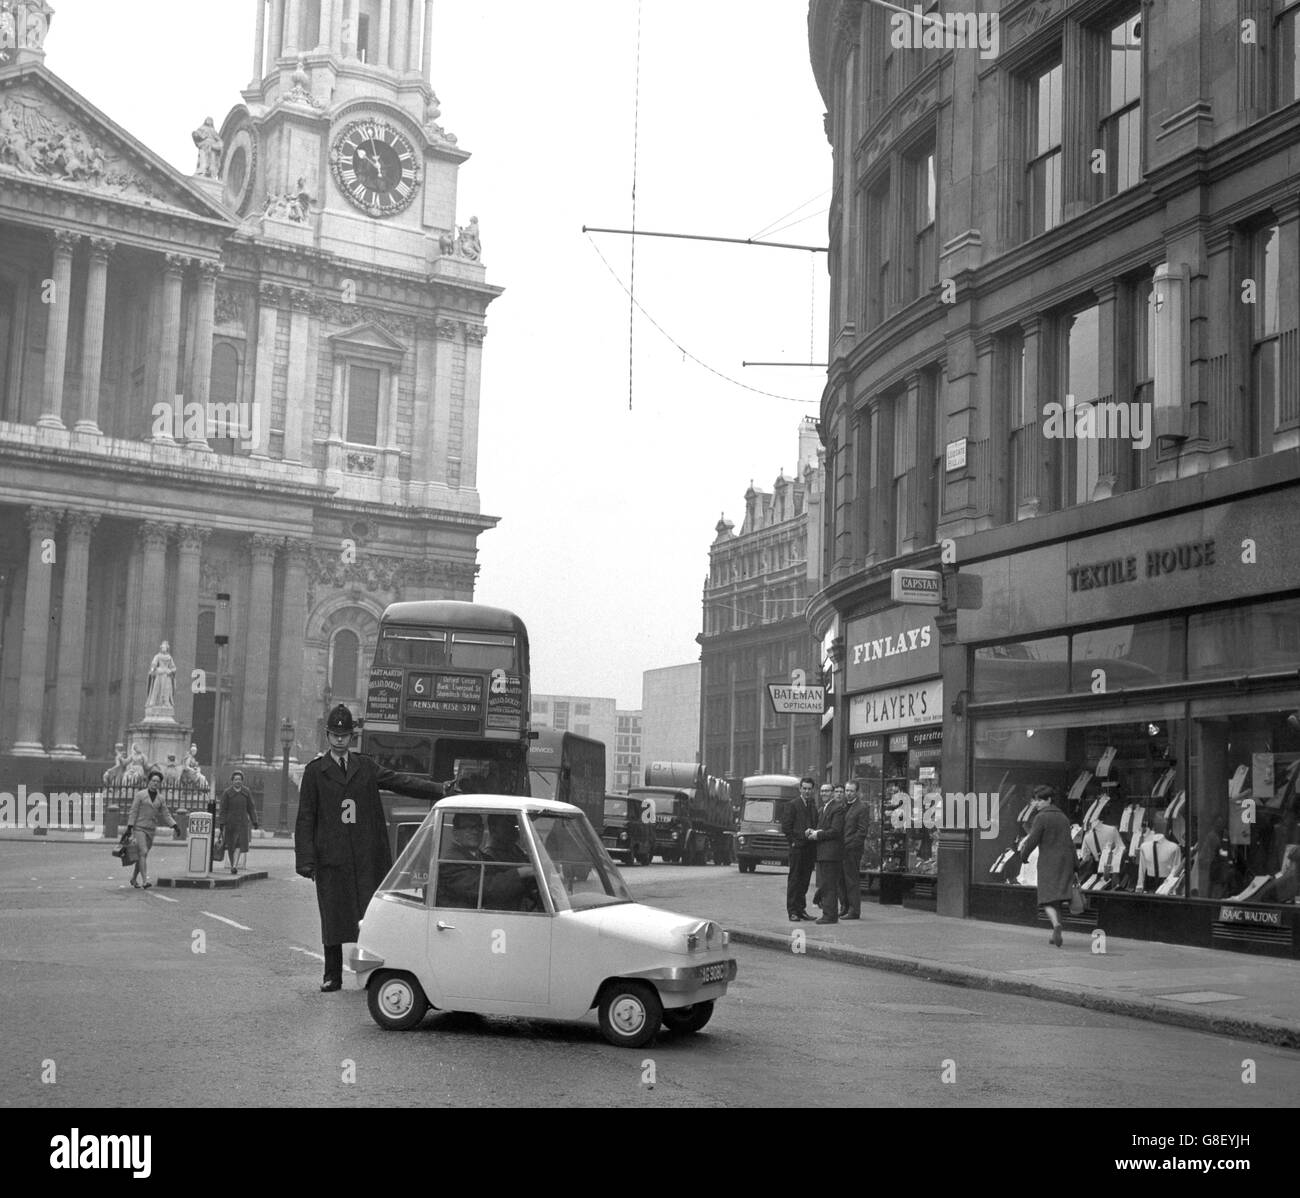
[692,813]
[569,768]
[759,839]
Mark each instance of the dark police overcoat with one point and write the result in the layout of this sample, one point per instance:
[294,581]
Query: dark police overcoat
[350,855]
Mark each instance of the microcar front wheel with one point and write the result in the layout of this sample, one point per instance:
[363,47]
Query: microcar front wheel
[630,1013]
[396,1001]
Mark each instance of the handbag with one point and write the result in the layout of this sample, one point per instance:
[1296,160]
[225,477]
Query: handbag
[1078,904]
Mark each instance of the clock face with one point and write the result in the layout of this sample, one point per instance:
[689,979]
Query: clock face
[375,167]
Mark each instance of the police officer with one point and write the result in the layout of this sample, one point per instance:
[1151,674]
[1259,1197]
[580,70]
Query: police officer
[341,838]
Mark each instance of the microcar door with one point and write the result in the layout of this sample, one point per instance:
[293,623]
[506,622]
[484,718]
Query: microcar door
[490,932]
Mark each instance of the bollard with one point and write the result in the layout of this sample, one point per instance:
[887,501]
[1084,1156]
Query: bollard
[199,848]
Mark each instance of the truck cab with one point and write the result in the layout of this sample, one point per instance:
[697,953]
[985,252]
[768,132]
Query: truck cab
[628,837]
[759,839]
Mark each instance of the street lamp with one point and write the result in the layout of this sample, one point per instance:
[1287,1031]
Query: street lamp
[286,743]
[221,636]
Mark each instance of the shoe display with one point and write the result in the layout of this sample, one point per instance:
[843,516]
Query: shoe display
[329,985]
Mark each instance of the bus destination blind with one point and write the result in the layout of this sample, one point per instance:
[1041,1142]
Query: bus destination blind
[444,694]
[505,701]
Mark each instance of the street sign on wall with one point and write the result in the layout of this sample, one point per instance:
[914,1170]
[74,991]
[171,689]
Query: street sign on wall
[916,586]
[796,700]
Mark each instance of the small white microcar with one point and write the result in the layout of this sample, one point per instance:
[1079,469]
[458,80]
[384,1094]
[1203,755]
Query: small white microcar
[511,906]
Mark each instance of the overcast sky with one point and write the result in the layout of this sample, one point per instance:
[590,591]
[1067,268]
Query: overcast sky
[606,515]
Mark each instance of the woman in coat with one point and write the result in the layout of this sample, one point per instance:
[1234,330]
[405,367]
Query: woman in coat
[147,811]
[1049,833]
[235,816]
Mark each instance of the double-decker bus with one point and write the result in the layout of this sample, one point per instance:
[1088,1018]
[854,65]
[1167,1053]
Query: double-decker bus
[448,698]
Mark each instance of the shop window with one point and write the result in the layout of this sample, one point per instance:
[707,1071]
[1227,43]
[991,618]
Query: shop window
[1286,53]
[1022,670]
[1128,655]
[1121,122]
[1043,181]
[1251,639]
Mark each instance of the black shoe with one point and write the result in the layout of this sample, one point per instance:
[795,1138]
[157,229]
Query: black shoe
[805,915]
[329,985]
[796,919]
[824,919]
[1056,937]
[135,883]
[850,916]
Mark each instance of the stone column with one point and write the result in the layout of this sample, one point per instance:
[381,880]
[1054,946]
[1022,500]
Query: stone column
[259,42]
[257,649]
[385,32]
[293,29]
[277,31]
[402,34]
[414,26]
[325,31]
[1034,495]
[92,346]
[72,634]
[153,590]
[293,625]
[348,35]
[185,630]
[200,385]
[268,316]
[56,336]
[41,525]
[169,348]
[426,50]
[300,389]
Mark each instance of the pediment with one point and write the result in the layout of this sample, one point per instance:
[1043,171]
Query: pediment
[51,135]
[368,337]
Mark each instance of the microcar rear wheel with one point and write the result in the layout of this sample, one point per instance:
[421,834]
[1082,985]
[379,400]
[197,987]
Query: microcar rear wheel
[396,1001]
[688,1019]
[630,1013]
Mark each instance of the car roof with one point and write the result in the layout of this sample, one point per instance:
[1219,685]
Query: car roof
[504,803]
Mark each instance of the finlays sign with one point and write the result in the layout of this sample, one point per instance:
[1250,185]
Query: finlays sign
[891,646]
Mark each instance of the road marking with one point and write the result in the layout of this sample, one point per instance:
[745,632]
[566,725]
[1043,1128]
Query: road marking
[164,898]
[231,922]
[306,952]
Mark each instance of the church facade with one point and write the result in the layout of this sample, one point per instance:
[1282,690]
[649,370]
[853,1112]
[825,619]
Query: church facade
[258,381]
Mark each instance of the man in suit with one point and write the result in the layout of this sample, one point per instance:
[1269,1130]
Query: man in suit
[341,838]
[828,840]
[855,839]
[799,816]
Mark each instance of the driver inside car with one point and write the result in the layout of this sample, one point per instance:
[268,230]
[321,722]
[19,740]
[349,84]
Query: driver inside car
[458,884]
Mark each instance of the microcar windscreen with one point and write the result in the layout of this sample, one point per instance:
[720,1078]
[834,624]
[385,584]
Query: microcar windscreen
[578,872]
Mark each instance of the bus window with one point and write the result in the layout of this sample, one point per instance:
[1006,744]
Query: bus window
[482,651]
[412,647]
[401,751]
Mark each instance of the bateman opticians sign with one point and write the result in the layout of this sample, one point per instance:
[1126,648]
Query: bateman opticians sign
[797,700]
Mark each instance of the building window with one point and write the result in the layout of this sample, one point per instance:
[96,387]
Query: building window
[541,706]
[561,720]
[878,239]
[1080,357]
[1265,328]
[1144,361]
[1286,55]
[224,426]
[1121,123]
[921,209]
[904,478]
[345,653]
[363,404]
[745,713]
[582,709]
[1022,421]
[1044,157]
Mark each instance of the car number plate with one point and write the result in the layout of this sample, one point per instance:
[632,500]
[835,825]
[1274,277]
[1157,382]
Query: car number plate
[713,973]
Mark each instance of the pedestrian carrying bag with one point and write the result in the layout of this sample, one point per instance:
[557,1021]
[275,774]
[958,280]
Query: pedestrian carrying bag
[1078,903]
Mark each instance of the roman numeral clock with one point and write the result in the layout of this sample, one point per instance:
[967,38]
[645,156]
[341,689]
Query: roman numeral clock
[376,167]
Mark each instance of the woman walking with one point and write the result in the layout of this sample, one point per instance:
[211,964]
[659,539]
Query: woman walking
[236,815]
[1049,833]
[146,812]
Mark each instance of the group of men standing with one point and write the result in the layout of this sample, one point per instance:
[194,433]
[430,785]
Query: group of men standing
[830,833]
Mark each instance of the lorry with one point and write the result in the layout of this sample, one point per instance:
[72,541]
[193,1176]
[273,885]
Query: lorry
[759,838]
[626,835]
[692,813]
[568,768]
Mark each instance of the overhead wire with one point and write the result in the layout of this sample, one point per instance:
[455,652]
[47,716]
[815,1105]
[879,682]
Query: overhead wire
[636,133]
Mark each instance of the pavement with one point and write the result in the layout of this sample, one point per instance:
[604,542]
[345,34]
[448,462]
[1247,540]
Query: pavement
[1242,995]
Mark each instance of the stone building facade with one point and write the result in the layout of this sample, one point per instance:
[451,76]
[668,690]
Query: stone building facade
[1063,371]
[261,380]
[756,630]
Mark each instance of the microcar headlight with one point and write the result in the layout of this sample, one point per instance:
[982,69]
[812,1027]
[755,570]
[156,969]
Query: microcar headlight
[706,936]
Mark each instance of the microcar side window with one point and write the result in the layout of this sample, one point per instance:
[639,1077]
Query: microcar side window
[409,877]
[483,863]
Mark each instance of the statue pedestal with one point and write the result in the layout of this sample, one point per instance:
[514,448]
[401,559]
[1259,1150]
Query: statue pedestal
[159,739]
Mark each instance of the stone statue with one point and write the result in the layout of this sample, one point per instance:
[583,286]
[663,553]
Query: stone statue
[191,774]
[293,206]
[468,244]
[446,244]
[117,770]
[36,26]
[136,767]
[162,679]
[210,146]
